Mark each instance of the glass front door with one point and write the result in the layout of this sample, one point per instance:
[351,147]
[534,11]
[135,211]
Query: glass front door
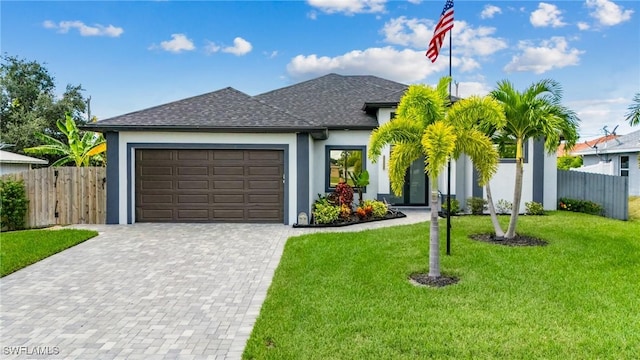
[416,186]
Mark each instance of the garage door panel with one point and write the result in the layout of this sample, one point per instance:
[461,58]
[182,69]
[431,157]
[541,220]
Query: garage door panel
[228,170]
[264,199]
[194,185]
[156,155]
[192,214]
[156,199]
[193,170]
[228,184]
[264,170]
[228,155]
[157,171]
[193,199]
[228,198]
[156,185]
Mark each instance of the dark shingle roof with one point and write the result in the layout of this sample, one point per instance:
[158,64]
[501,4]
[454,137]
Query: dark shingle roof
[331,101]
[225,108]
[335,101]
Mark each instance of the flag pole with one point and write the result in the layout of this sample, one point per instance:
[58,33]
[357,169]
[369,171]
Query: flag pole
[449,163]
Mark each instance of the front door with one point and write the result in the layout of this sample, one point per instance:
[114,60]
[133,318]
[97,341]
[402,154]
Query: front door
[416,186]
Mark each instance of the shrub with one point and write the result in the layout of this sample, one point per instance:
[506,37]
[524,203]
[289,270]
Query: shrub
[504,206]
[477,205]
[379,209]
[344,192]
[455,206]
[345,211]
[325,213]
[13,204]
[583,206]
[534,208]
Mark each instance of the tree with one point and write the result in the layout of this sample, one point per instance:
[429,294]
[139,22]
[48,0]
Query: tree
[424,126]
[535,113]
[28,103]
[79,148]
[568,162]
[633,114]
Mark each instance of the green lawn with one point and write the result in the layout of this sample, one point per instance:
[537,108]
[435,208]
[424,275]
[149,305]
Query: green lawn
[22,248]
[346,296]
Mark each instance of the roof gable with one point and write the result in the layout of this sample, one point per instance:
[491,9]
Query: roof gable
[12,158]
[336,101]
[613,144]
[225,108]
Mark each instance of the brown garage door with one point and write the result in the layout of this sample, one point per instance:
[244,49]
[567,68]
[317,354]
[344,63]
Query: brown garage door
[209,185]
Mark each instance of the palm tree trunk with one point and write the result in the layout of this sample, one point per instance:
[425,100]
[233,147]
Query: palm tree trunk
[517,193]
[434,235]
[494,218]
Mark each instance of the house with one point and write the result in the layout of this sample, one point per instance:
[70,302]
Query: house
[616,156]
[13,163]
[562,151]
[227,156]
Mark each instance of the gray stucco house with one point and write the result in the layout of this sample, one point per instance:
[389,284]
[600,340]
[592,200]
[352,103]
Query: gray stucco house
[617,156]
[228,156]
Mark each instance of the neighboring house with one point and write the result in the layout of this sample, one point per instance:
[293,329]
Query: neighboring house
[13,163]
[227,156]
[590,144]
[616,156]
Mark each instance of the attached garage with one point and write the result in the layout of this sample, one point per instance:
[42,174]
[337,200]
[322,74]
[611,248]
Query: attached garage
[209,185]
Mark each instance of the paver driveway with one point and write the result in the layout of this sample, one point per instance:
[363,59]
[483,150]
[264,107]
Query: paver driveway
[148,291]
[144,291]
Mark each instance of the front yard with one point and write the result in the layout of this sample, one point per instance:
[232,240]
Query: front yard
[22,248]
[346,295]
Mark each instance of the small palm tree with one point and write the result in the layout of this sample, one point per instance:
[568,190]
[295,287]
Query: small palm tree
[633,115]
[535,113]
[79,149]
[424,126]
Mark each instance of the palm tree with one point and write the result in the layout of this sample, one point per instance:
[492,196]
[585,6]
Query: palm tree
[633,116]
[535,113]
[79,149]
[424,127]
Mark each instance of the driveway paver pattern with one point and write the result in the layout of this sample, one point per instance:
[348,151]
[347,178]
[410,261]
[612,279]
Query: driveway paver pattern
[148,291]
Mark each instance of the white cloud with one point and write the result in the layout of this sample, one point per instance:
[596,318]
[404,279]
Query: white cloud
[240,47]
[211,47]
[489,11]
[594,114]
[415,1]
[84,30]
[418,32]
[583,26]
[177,44]
[546,15]
[468,88]
[348,7]
[607,12]
[405,66]
[312,15]
[550,54]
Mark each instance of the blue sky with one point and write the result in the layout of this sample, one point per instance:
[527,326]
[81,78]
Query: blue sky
[133,55]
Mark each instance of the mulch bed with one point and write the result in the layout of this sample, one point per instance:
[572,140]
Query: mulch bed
[518,240]
[355,220]
[426,280]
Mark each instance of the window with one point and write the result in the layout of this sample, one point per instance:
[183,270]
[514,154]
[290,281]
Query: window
[393,115]
[342,160]
[624,166]
[506,146]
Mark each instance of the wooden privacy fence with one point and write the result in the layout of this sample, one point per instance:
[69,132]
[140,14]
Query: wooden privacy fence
[64,195]
[612,192]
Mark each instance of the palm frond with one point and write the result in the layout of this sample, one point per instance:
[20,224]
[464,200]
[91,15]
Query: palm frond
[397,131]
[402,155]
[439,143]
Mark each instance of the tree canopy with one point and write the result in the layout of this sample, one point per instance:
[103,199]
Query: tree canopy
[29,104]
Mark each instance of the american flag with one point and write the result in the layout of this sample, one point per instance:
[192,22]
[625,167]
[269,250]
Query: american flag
[445,24]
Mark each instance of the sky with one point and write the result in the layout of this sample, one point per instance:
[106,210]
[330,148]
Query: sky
[131,55]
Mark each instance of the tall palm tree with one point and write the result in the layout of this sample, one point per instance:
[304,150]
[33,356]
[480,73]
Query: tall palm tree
[79,149]
[535,113]
[424,126]
[633,115]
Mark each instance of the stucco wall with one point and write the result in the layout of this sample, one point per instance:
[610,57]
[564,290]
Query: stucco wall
[13,168]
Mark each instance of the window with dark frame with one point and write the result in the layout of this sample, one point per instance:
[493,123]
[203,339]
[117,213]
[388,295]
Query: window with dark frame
[624,166]
[341,161]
